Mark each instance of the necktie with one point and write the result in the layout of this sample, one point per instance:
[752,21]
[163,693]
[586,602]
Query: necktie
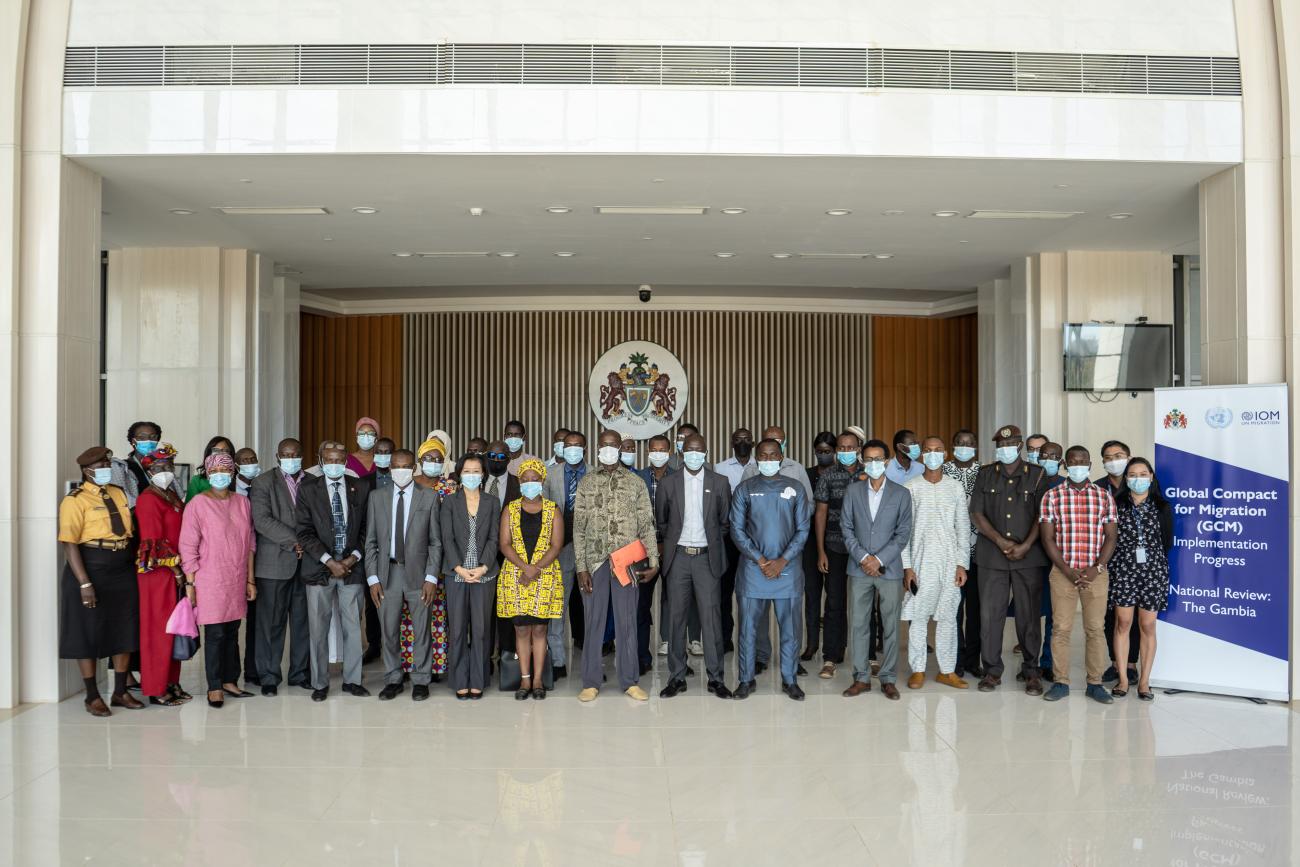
[492,485]
[114,516]
[399,532]
[572,489]
[340,522]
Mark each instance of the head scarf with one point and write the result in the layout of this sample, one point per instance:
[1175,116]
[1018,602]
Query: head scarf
[859,433]
[219,462]
[164,452]
[535,465]
[367,420]
[440,440]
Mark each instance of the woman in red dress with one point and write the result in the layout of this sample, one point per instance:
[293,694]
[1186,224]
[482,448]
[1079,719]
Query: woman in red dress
[158,571]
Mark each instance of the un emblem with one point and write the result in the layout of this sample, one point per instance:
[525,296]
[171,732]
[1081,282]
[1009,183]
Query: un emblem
[1218,417]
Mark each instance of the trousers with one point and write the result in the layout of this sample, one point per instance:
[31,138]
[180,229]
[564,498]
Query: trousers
[555,629]
[968,622]
[390,631]
[866,594]
[945,633]
[470,609]
[754,625]
[320,608]
[221,653]
[996,589]
[282,607]
[831,621]
[693,587]
[1066,599]
[605,589]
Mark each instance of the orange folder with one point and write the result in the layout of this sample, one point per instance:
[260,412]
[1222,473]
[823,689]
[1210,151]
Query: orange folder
[623,561]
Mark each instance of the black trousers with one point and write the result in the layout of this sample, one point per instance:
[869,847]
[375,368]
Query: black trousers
[283,607]
[728,592]
[644,617]
[997,587]
[968,623]
[469,618]
[221,653]
[252,673]
[577,619]
[833,619]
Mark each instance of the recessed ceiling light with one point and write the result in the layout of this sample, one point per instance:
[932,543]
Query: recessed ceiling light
[652,210]
[838,212]
[565,254]
[883,255]
[476,212]
[281,211]
[731,212]
[365,210]
[656,180]
[557,209]
[455,254]
[963,242]
[724,255]
[327,239]
[1061,186]
[834,255]
[402,255]
[245,180]
[780,255]
[181,212]
[507,255]
[990,214]
[647,237]
[945,213]
[892,212]
[1120,216]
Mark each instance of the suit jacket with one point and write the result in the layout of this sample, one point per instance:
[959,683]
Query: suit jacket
[276,523]
[885,537]
[512,487]
[553,489]
[316,527]
[454,526]
[670,512]
[423,537]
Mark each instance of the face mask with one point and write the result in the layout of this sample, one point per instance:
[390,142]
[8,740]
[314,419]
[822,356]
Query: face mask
[693,460]
[291,466]
[383,461]
[628,458]
[559,448]
[514,444]
[574,454]
[249,471]
[963,453]
[769,468]
[658,459]
[1115,467]
[1051,466]
[1077,473]
[1139,484]
[145,447]
[743,450]
[530,490]
[678,446]
[471,481]
[875,469]
[333,471]
[497,468]
[102,475]
[913,451]
[402,476]
[608,455]
[847,459]
[1031,457]
[220,481]
[163,480]
[366,441]
[932,460]
[782,444]
[432,469]
[824,459]
[1008,454]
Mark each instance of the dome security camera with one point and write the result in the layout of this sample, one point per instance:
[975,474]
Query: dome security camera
[643,292]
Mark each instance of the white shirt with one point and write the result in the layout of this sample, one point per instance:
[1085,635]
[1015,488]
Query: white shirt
[734,470]
[693,517]
[409,491]
[874,496]
[330,487]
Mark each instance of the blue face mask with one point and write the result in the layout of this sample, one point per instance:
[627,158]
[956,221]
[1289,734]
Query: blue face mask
[769,468]
[514,444]
[875,469]
[471,481]
[1139,484]
[291,466]
[558,448]
[530,490]
[333,471]
[432,469]
[932,460]
[366,441]
[573,455]
[914,451]
[693,460]
[1008,454]
[220,481]
[249,471]
[1078,474]
[1031,457]
[963,453]
[628,458]
[103,475]
[384,461]
[846,459]
[1051,466]
[145,447]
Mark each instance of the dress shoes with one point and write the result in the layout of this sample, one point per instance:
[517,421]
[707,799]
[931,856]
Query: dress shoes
[760,667]
[128,701]
[420,692]
[989,682]
[1034,684]
[646,668]
[952,680]
[916,680]
[673,688]
[857,688]
[890,691]
[800,671]
[269,690]
[793,690]
[559,671]
[319,694]
[743,691]
[808,653]
[828,670]
[389,692]
[719,689]
[301,684]
[356,689]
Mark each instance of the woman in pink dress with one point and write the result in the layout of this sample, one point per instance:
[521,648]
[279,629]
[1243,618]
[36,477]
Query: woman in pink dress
[362,461]
[217,545]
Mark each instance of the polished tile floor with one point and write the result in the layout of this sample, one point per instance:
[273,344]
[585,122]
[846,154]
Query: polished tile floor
[939,778]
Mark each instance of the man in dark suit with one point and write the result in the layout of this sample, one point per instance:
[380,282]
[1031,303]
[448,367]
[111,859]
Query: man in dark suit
[281,595]
[876,522]
[331,515]
[403,558]
[691,511]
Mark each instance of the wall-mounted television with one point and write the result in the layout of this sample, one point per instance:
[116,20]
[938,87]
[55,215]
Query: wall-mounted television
[1118,357]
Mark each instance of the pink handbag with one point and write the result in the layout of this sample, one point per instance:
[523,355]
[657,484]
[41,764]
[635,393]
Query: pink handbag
[181,621]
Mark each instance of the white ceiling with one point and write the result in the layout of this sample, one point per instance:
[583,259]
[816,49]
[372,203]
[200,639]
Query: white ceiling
[423,203]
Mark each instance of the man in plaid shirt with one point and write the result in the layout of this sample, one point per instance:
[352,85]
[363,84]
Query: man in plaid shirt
[1078,534]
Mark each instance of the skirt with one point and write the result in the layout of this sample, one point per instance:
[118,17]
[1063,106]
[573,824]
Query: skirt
[529,620]
[113,625]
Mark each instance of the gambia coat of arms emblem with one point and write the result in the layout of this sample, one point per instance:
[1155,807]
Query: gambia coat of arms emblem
[638,389]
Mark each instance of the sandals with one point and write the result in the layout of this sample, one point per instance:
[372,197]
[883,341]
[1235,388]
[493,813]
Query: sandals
[174,691]
[1146,696]
[236,693]
[523,692]
[539,694]
[462,696]
[168,700]
[1118,693]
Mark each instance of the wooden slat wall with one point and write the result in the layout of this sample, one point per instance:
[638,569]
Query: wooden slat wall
[351,367]
[924,375]
[805,371]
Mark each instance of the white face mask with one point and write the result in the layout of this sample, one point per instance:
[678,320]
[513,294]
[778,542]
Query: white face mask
[608,455]
[658,459]
[163,480]
[1116,467]
[402,476]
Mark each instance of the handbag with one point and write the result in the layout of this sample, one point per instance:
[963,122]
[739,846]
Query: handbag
[183,629]
[508,668]
[184,647]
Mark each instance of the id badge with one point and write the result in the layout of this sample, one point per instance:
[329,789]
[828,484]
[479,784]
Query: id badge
[1140,554]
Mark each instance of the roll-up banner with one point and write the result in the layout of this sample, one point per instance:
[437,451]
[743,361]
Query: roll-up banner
[1222,458]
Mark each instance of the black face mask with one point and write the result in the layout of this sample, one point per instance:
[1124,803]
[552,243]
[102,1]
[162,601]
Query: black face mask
[497,468]
[743,449]
[824,460]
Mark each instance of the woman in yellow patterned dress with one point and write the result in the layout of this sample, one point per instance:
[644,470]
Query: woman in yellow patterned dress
[530,588]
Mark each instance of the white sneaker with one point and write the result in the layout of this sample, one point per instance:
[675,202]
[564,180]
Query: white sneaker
[663,648]
[696,649]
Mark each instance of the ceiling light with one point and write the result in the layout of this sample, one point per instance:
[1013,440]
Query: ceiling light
[557,209]
[565,254]
[1120,216]
[963,242]
[455,254]
[945,213]
[647,237]
[834,255]
[894,212]
[1061,186]
[651,210]
[724,255]
[507,255]
[282,211]
[285,271]
[656,180]
[731,212]
[181,212]
[476,212]
[403,255]
[327,239]
[882,255]
[1021,215]
[838,212]
[245,180]
[365,210]
[780,255]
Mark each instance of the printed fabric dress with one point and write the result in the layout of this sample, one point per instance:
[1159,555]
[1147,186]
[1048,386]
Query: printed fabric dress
[437,611]
[157,561]
[1134,584]
[543,598]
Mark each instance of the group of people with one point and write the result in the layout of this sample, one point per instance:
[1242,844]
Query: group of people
[453,567]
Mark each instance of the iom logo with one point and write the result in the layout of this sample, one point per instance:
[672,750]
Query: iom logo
[1218,417]
[1261,416]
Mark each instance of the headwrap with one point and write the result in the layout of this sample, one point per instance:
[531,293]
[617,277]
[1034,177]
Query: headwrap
[859,433]
[164,452]
[441,440]
[367,420]
[535,465]
[218,462]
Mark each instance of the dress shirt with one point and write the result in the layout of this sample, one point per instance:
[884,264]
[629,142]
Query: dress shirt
[693,515]
[895,473]
[874,496]
[733,469]
[392,523]
[330,487]
[242,486]
[789,468]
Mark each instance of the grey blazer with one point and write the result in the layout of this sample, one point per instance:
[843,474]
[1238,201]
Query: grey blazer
[454,523]
[423,537]
[553,490]
[670,510]
[276,526]
[885,537]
